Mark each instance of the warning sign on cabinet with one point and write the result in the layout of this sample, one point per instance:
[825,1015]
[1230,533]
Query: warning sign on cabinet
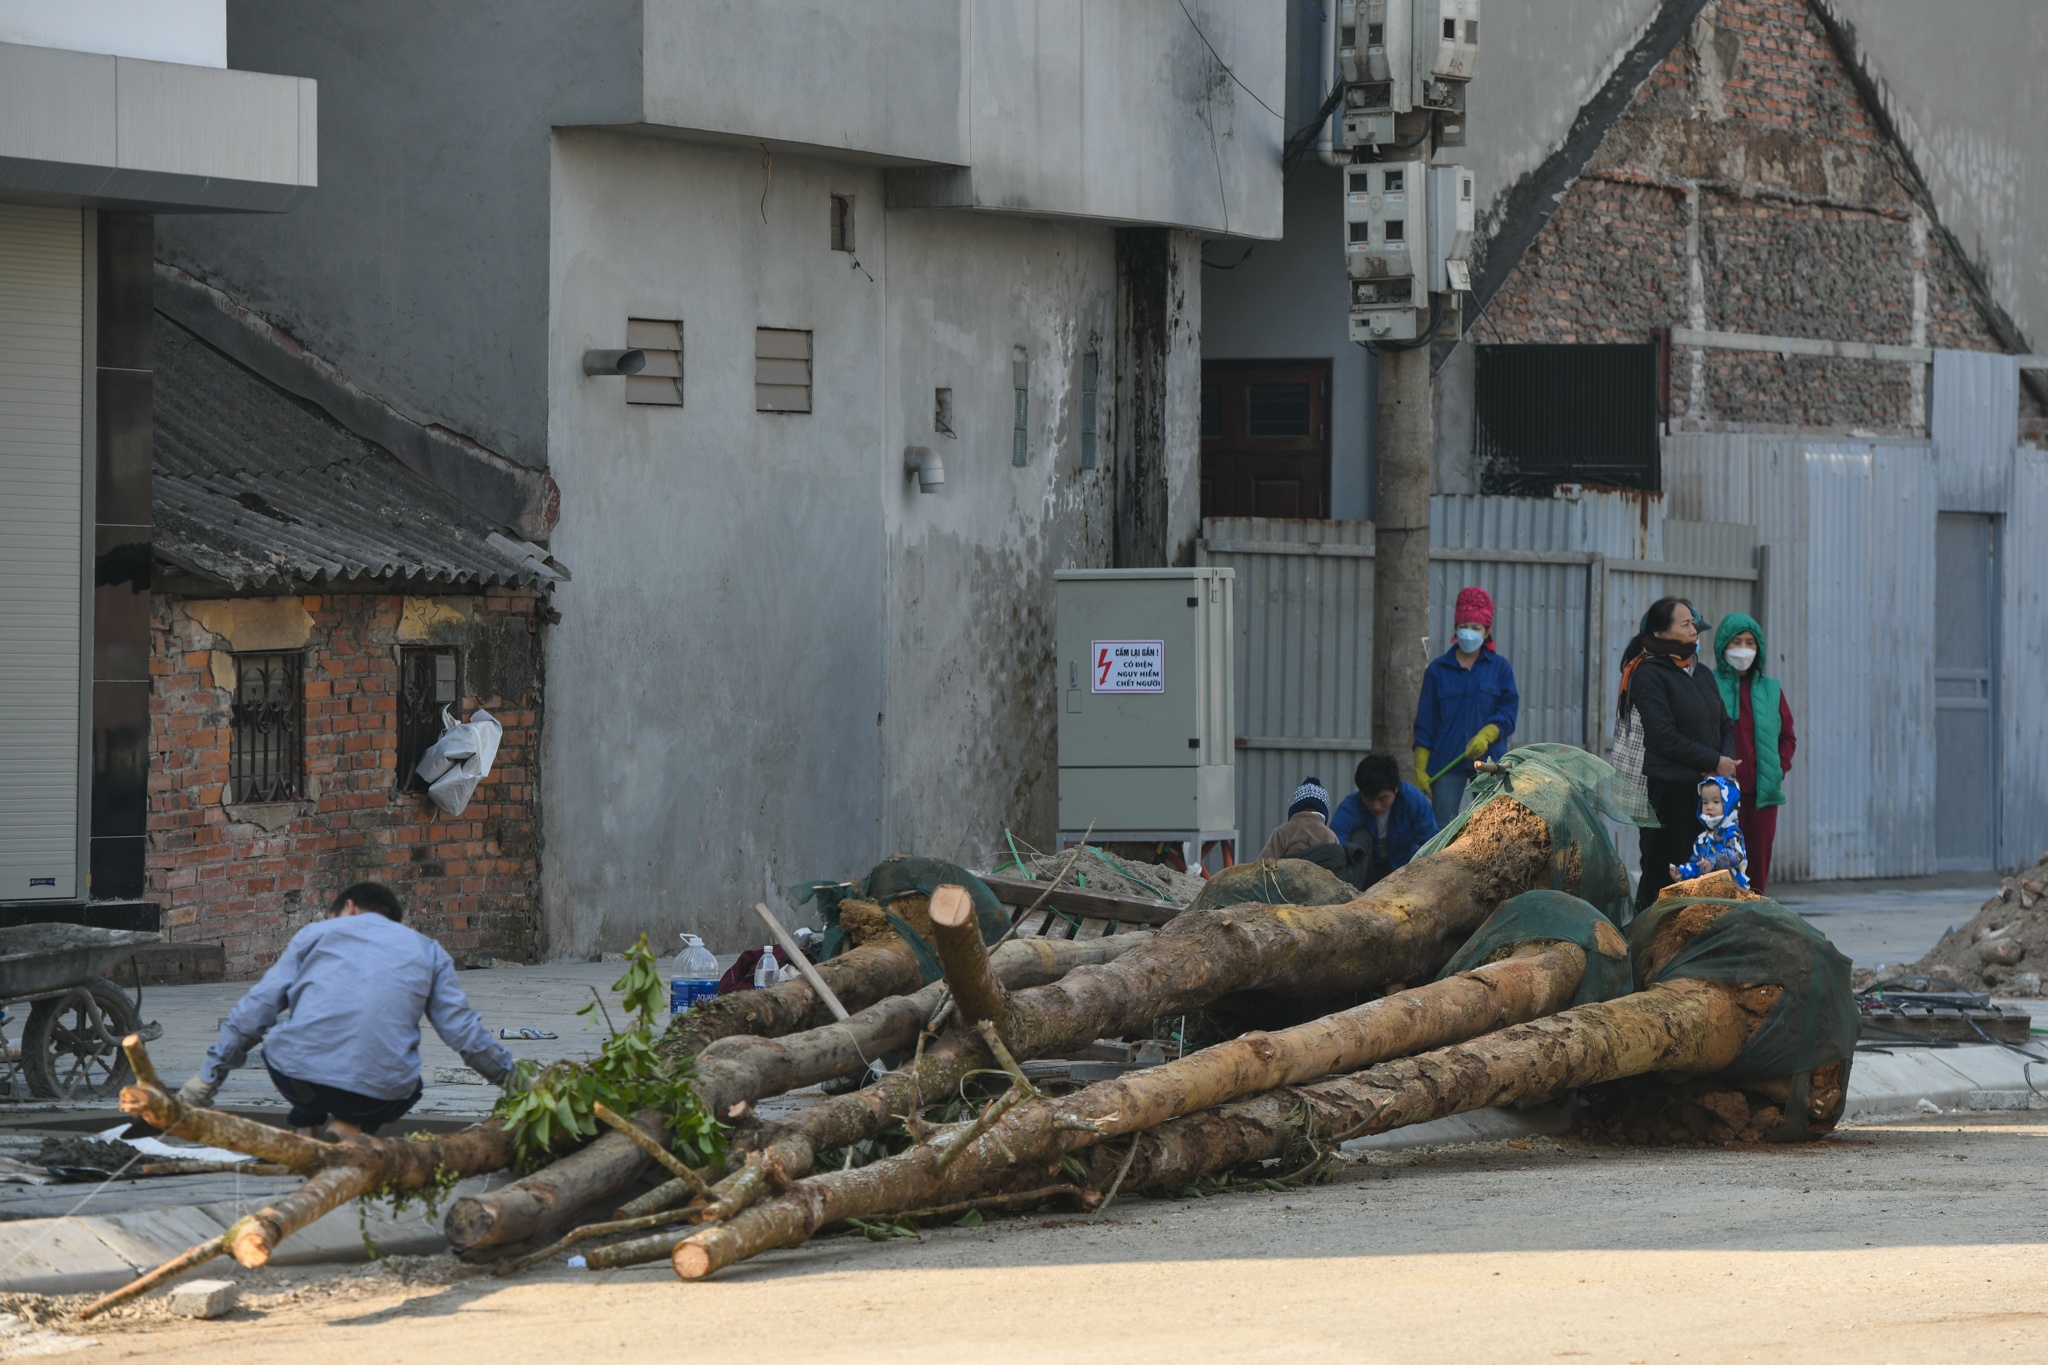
[1129,666]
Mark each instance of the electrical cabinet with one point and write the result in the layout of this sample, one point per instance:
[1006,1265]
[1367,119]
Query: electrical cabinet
[1147,701]
[1396,56]
[1452,215]
[1387,244]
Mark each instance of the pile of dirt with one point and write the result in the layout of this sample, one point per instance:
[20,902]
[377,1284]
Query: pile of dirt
[2003,948]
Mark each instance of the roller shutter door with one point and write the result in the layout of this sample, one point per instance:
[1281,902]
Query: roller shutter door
[41,519]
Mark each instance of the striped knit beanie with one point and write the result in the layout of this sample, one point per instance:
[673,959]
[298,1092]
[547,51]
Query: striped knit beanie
[1310,795]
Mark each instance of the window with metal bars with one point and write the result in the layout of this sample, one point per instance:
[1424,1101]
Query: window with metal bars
[429,678]
[266,751]
[1552,414]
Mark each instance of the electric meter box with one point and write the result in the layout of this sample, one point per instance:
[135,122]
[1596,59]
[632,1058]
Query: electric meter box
[1452,216]
[1147,701]
[1386,222]
[1399,55]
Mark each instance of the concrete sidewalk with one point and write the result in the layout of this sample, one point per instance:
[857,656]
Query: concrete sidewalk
[1888,923]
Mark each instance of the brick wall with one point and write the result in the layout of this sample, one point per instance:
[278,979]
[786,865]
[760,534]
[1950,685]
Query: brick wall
[249,877]
[1747,189]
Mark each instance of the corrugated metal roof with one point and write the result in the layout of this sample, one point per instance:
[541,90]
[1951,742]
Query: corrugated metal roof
[257,490]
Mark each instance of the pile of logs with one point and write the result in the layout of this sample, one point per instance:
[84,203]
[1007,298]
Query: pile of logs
[1417,1048]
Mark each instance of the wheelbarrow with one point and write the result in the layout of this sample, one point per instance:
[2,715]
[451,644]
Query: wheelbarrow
[71,1045]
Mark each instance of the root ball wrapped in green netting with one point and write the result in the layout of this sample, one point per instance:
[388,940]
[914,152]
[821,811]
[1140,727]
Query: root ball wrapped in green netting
[1536,916]
[1276,881]
[1572,791]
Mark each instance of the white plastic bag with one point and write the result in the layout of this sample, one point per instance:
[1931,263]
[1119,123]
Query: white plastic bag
[458,760]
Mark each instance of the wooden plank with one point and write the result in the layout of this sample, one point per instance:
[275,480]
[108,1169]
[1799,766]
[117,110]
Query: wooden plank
[1019,892]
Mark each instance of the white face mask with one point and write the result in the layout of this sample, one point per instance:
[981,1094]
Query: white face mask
[1739,659]
[1471,640]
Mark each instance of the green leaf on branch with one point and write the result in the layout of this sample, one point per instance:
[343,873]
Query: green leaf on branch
[557,1103]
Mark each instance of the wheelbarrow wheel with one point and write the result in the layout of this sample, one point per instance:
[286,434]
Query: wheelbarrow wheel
[71,1045]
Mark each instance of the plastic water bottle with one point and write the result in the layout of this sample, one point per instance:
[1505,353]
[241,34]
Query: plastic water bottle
[699,979]
[764,970]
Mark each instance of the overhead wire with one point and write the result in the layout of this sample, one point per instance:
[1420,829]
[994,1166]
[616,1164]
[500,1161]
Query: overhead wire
[1226,66]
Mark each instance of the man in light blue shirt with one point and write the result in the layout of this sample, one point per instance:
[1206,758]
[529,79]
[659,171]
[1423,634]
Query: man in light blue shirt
[356,985]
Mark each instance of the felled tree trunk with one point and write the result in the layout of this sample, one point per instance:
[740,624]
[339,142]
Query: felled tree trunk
[336,1171]
[738,1068]
[956,1163]
[860,977]
[1402,930]
[1676,1027]
[748,1069]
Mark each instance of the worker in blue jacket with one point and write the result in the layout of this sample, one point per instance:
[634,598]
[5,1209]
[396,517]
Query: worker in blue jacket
[1385,815]
[1467,709]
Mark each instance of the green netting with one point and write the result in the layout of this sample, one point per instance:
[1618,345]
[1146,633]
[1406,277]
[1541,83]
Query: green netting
[905,875]
[1572,791]
[1281,881]
[1553,916]
[1761,943]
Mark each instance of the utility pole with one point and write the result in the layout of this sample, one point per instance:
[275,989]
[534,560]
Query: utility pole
[1408,223]
[1400,555]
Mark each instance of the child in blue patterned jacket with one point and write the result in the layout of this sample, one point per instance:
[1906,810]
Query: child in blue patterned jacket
[1719,846]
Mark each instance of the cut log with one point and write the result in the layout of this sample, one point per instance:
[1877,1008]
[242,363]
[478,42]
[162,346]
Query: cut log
[1679,1027]
[859,977]
[336,1171]
[1403,929]
[954,1164]
[735,1069]
[977,995]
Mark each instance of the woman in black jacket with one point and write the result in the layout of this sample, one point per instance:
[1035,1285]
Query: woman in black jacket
[1687,735]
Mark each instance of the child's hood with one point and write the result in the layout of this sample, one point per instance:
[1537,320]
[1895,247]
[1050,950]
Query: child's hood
[1731,798]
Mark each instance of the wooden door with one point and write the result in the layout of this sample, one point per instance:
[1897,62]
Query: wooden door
[1265,438]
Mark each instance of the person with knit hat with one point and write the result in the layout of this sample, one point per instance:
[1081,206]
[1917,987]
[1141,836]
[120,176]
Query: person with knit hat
[1764,741]
[1307,825]
[1467,708]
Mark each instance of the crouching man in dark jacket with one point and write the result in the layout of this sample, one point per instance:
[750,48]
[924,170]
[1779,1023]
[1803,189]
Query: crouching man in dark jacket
[356,985]
[1386,817]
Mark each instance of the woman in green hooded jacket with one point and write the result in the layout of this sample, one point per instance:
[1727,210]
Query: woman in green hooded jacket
[1764,741]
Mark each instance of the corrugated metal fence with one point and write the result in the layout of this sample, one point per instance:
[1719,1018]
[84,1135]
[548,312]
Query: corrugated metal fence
[1304,657]
[1829,543]
[1570,578]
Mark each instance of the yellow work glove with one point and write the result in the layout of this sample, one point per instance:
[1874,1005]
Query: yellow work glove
[1482,741]
[1422,769]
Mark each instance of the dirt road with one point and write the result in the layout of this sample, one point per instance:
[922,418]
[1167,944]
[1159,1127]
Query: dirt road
[1910,1242]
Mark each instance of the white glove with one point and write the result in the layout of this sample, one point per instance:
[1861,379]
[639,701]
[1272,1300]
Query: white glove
[197,1094]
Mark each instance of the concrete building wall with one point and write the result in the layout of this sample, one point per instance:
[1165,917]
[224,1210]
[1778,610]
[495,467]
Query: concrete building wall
[420,270]
[1962,85]
[777,660]
[189,32]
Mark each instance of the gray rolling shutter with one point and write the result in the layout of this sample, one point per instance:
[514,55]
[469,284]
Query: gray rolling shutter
[42,393]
